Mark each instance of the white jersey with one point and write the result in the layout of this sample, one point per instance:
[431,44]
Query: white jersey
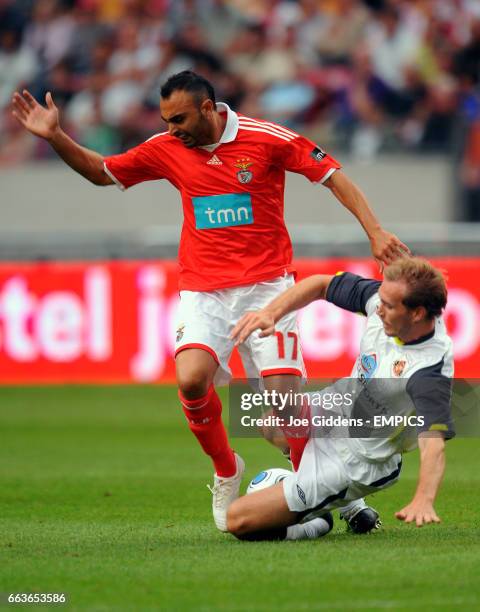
[391,378]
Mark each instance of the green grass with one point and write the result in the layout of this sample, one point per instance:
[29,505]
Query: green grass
[102,496]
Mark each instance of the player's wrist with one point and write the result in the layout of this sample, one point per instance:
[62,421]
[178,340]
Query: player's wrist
[273,313]
[423,499]
[373,229]
[55,136]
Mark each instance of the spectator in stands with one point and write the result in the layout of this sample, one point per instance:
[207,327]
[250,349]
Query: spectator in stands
[371,74]
[18,64]
[49,32]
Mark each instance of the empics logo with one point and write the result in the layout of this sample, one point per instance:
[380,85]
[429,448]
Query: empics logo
[227,210]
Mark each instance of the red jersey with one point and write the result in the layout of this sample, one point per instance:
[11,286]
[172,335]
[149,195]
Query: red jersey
[232,194]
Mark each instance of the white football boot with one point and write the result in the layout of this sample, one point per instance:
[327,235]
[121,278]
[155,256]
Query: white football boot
[225,491]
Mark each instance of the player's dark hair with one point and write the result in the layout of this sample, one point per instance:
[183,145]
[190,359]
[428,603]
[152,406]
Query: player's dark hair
[187,80]
[426,284]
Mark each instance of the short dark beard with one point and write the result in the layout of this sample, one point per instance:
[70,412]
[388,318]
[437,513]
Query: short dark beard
[208,133]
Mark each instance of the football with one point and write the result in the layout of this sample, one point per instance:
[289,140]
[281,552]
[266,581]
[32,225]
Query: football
[267,478]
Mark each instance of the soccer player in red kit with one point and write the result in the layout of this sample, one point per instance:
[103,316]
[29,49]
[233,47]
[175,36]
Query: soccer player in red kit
[235,253]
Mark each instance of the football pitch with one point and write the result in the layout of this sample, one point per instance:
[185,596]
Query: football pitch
[103,498]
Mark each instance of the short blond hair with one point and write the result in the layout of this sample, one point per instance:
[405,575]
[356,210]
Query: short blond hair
[426,285]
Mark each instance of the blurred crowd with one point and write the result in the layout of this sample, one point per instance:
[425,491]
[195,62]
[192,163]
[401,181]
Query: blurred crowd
[364,76]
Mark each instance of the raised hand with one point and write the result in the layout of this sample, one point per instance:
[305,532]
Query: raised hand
[37,119]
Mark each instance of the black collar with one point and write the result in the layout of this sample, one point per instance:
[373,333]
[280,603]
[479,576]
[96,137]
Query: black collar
[418,340]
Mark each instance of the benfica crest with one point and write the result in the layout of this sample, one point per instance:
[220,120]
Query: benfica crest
[180,332]
[244,175]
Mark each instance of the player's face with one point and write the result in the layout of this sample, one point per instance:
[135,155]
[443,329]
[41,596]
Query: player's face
[188,119]
[397,319]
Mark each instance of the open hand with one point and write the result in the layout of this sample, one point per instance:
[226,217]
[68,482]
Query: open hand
[420,511]
[33,116]
[251,321]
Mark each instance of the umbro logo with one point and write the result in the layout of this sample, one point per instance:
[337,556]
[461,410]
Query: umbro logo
[214,161]
[301,495]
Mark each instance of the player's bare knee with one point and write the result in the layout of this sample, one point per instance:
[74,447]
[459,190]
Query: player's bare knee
[192,384]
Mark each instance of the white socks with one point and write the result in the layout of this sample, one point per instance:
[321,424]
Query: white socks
[315,528]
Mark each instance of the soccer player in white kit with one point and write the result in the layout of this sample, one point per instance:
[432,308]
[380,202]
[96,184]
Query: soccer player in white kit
[405,365]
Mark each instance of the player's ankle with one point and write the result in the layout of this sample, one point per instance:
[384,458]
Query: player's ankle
[225,464]
[310,530]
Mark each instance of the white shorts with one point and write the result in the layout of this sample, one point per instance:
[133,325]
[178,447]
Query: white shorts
[206,319]
[330,476]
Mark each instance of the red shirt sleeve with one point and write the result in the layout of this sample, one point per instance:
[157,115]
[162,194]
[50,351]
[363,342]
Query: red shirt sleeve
[142,163]
[303,156]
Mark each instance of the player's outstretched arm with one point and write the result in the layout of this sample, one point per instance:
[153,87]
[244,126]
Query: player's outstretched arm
[43,121]
[386,247]
[432,467]
[306,291]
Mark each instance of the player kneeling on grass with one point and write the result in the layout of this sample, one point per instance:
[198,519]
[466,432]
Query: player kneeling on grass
[404,370]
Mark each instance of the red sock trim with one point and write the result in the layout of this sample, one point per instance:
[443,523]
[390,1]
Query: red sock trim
[197,404]
[297,446]
[297,437]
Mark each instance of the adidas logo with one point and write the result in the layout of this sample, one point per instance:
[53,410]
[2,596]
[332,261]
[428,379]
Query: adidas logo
[214,161]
